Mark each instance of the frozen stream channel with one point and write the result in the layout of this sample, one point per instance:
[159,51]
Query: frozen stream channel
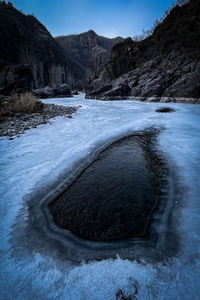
[37,268]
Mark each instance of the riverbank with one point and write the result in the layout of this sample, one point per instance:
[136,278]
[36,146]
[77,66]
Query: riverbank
[16,124]
[148,99]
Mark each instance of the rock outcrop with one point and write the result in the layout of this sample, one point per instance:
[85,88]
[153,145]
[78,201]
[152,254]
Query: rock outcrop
[89,51]
[13,78]
[30,57]
[166,64]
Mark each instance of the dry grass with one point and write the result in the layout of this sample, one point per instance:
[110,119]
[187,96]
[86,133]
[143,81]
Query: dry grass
[22,103]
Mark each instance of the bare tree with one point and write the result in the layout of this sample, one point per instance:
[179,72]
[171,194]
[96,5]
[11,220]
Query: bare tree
[146,33]
[182,2]
[10,4]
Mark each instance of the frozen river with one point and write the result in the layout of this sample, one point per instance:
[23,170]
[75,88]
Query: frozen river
[34,266]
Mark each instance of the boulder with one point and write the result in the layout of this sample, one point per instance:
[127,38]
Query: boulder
[46,92]
[63,90]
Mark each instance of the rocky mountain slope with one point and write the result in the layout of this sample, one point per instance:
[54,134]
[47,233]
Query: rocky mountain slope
[166,64]
[88,50]
[30,57]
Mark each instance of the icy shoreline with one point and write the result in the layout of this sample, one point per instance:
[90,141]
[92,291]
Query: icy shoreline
[15,125]
[40,156]
[183,100]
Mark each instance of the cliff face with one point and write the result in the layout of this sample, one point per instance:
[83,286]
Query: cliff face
[88,50]
[29,56]
[166,64]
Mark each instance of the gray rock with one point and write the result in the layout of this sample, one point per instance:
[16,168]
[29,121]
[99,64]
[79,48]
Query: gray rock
[75,92]
[120,90]
[15,79]
[166,64]
[63,90]
[30,57]
[88,51]
[46,92]
[19,115]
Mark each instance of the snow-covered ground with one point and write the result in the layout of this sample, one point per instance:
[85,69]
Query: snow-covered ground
[39,156]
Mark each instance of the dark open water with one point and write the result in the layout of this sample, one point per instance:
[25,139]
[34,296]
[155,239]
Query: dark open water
[114,197]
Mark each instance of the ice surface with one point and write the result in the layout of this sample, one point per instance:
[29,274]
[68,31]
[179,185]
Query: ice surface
[36,158]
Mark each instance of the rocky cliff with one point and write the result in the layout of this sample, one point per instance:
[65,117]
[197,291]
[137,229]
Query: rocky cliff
[166,64]
[88,50]
[30,57]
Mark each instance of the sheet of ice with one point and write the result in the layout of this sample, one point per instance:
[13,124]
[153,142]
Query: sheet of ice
[40,155]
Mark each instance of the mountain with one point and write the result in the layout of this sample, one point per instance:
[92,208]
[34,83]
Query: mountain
[87,50]
[30,57]
[166,64]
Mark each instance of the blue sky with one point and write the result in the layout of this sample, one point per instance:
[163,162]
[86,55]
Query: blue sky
[106,17]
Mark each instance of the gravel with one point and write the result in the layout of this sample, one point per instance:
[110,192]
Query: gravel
[12,126]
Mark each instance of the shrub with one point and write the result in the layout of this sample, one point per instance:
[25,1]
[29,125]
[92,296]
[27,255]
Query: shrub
[20,103]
